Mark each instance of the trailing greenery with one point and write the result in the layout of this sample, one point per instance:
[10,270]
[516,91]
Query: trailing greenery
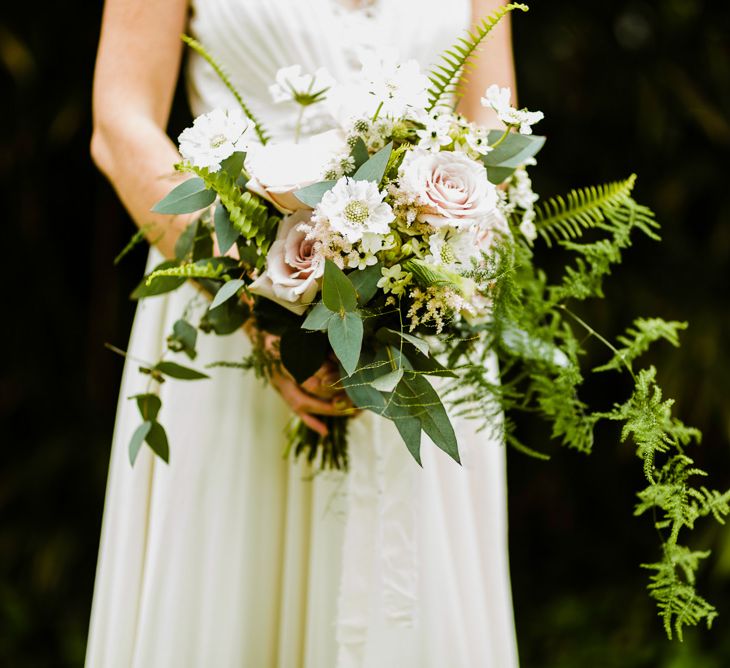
[190,270]
[538,339]
[447,77]
[196,46]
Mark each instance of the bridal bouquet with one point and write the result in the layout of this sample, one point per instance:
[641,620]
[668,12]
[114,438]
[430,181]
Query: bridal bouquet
[399,243]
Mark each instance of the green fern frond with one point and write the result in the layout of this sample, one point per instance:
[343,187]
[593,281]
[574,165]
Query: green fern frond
[672,585]
[196,46]
[638,340]
[563,218]
[248,214]
[191,270]
[445,76]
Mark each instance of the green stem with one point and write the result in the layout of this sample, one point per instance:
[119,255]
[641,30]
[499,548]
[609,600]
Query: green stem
[377,111]
[601,338]
[502,138]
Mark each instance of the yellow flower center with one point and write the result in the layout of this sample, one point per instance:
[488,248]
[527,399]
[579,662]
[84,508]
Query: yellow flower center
[356,212]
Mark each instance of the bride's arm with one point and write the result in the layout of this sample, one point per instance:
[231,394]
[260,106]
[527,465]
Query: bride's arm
[136,73]
[494,64]
[134,83]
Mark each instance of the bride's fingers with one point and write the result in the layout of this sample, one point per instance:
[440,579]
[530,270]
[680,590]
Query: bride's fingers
[300,400]
[313,423]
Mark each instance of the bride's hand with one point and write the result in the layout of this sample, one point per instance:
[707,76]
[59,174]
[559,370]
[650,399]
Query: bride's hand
[318,395]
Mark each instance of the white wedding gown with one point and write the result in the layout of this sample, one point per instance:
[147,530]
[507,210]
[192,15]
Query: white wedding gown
[231,556]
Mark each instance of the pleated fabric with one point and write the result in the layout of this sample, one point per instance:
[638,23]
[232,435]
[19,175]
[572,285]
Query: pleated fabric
[232,556]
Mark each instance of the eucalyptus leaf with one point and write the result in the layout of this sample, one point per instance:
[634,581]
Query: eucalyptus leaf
[225,233]
[513,150]
[338,293]
[227,290]
[175,370]
[409,429]
[183,338]
[159,285]
[149,405]
[311,195]
[302,352]
[188,197]
[388,382]
[318,318]
[233,164]
[374,169]
[186,240]
[359,153]
[345,336]
[365,282]
[392,336]
[137,439]
[417,395]
[226,318]
[157,439]
[498,175]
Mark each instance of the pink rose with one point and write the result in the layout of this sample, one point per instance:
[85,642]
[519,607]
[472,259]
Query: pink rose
[293,266]
[279,169]
[451,188]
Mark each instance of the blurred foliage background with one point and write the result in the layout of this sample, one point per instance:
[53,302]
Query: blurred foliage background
[626,86]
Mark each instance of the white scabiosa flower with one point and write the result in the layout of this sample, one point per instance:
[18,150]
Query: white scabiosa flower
[354,208]
[499,99]
[214,137]
[397,85]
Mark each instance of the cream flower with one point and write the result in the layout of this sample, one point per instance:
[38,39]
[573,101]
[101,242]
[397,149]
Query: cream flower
[214,137]
[305,89]
[353,208]
[279,169]
[449,187]
[294,265]
[499,99]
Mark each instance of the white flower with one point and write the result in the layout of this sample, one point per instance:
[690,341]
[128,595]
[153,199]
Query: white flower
[214,137]
[294,265]
[397,85]
[477,139]
[394,280]
[305,89]
[527,226]
[353,208]
[499,99]
[436,133]
[279,169]
[452,248]
[449,187]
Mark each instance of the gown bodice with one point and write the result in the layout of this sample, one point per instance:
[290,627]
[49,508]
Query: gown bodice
[252,39]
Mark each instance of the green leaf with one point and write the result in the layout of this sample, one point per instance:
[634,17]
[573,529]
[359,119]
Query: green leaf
[423,402]
[226,318]
[191,195]
[184,243]
[338,293]
[311,195]
[513,151]
[233,164]
[183,338]
[345,336]
[302,352]
[410,431]
[175,370]
[224,230]
[365,282]
[318,318]
[157,439]
[149,405]
[498,175]
[137,439]
[228,290]
[419,344]
[159,285]
[359,153]
[387,382]
[374,168]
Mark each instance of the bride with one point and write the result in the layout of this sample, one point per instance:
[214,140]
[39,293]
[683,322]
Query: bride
[230,555]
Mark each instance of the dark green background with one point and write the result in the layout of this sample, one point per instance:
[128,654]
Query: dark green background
[626,87]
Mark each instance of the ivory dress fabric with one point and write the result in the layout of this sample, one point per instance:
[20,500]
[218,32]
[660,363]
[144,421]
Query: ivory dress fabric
[230,556]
